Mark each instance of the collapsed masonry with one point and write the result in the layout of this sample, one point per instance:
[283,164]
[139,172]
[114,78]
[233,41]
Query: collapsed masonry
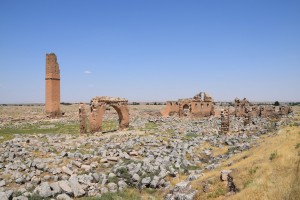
[243,108]
[246,110]
[98,107]
[201,105]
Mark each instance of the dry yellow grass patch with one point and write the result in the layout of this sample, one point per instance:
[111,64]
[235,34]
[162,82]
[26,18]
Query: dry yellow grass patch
[179,178]
[269,171]
[219,151]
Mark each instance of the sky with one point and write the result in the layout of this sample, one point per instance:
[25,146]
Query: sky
[151,50]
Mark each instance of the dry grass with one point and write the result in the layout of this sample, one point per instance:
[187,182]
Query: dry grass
[269,171]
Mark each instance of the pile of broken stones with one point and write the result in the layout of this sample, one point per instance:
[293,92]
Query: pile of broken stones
[67,166]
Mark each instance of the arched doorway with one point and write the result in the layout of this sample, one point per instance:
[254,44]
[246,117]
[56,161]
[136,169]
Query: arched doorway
[111,119]
[186,110]
[99,105]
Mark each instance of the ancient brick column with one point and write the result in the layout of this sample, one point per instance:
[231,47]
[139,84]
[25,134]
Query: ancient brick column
[225,121]
[82,118]
[52,86]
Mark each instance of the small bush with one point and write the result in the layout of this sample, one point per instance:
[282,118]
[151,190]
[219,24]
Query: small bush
[191,135]
[135,103]
[273,155]
[218,192]
[123,173]
[253,170]
[297,146]
[247,183]
[65,103]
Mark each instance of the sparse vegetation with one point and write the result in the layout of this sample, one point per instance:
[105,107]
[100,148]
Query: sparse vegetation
[150,126]
[191,135]
[135,103]
[218,192]
[252,171]
[256,176]
[273,155]
[37,197]
[65,103]
[126,194]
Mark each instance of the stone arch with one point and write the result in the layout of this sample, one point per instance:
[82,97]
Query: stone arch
[98,107]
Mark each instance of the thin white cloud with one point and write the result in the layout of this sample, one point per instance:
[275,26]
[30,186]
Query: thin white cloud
[87,72]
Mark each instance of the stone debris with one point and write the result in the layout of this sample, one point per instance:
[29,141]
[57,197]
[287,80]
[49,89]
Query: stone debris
[155,149]
[182,190]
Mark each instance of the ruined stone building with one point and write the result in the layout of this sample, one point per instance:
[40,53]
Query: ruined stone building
[268,111]
[243,108]
[201,105]
[285,110]
[98,107]
[52,86]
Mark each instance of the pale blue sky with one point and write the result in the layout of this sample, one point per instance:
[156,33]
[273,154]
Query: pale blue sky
[151,50]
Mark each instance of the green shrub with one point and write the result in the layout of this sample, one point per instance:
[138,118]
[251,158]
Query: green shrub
[247,183]
[253,170]
[218,192]
[273,155]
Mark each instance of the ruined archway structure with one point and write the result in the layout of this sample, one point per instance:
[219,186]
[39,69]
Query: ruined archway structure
[98,106]
[201,105]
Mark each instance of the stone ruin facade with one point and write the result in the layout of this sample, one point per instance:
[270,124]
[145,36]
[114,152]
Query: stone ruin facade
[201,105]
[97,109]
[52,79]
[243,108]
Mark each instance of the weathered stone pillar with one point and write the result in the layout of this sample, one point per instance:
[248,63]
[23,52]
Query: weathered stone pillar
[124,122]
[82,118]
[225,121]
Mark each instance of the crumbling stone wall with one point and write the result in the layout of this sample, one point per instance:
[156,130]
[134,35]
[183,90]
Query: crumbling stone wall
[172,107]
[98,108]
[268,111]
[82,118]
[285,110]
[52,79]
[242,107]
[201,105]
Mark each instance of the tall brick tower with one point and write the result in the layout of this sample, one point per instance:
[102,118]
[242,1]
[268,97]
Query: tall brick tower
[52,86]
